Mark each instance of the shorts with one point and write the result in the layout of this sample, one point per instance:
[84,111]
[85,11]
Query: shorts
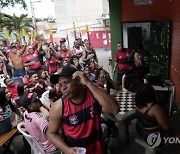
[19,72]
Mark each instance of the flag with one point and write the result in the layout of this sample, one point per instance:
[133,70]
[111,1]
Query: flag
[74,29]
[87,31]
[23,34]
[67,37]
[80,33]
[32,36]
[51,34]
[6,34]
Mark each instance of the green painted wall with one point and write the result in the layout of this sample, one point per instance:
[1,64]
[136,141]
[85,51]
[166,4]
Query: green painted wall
[115,26]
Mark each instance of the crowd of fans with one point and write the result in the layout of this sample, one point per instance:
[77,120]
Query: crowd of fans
[25,72]
[26,86]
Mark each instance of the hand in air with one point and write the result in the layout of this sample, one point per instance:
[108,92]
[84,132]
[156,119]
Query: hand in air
[81,77]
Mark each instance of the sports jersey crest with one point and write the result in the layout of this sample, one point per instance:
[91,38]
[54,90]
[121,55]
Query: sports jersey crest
[73,119]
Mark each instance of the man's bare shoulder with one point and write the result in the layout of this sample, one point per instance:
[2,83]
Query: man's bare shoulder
[57,107]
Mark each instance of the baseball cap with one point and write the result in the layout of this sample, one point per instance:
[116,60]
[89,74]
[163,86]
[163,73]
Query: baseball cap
[28,99]
[66,71]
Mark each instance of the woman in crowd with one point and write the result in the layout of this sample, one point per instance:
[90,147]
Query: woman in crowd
[89,54]
[151,117]
[93,67]
[75,62]
[78,51]
[3,71]
[64,52]
[104,80]
[6,103]
[133,78]
[22,89]
[88,73]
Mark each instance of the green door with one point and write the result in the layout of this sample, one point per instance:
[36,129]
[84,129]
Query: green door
[160,48]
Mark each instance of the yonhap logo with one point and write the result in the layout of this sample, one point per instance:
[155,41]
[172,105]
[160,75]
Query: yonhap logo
[154,139]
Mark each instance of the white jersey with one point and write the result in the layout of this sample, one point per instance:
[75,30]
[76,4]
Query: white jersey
[79,51]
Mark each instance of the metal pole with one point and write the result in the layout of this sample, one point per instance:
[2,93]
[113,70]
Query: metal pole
[33,14]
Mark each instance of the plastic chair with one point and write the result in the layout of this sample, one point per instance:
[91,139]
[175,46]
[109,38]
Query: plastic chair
[35,146]
[45,99]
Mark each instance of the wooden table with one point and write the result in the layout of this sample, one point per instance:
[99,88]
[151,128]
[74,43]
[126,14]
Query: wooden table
[7,138]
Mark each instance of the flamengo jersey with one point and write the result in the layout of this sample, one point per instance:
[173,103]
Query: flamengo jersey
[82,124]
[34,57]
[122,59]
[53,66]
[63,55]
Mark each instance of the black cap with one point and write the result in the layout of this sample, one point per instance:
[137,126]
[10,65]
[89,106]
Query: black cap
[28,99]
[66,71]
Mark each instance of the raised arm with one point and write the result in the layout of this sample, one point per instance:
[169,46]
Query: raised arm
[123,83]
[54,126]
[29,38]
[47,53]
[108,78]
[73,51]
[84,58]
[23,49]
[39,46]
[4,70]
[115,66]
[108,103]
[17,39]
[3,56]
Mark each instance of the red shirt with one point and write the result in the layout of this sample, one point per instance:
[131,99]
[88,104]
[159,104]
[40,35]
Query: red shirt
[40,89]
[13,90]
[53,65]
[82,124]
[34,57]
[120,56]
[63,55]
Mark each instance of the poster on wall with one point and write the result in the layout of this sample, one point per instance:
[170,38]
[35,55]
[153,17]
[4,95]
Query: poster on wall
[97,36]
[105,42]
[104,36]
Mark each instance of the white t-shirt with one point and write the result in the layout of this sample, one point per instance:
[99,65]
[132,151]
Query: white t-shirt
[79,51]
